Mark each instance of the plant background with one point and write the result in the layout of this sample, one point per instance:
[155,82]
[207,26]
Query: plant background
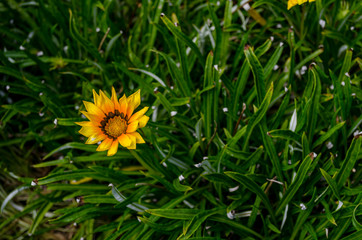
[254,120]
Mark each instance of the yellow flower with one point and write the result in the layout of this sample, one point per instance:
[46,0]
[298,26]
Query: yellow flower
[292,3]
[112,121]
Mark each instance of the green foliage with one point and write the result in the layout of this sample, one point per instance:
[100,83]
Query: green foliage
[254,131]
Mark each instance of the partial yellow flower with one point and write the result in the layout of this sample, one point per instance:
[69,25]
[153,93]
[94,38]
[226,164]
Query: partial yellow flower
[292,3]
[113,122]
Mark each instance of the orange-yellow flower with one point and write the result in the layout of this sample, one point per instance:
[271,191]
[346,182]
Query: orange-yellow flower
[292,3]
[113,122]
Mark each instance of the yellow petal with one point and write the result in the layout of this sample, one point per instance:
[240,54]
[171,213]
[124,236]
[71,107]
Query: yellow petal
[132,127]
[107,104]
[95,119]
[105,145]
[93,109]
[96,98]
[115,100]
[130,110]
[88,131]
[133,141]
[135,98]
[124,140]
[113,149]
[95,138]
[142,121]
[292,3]
[133,102]
[138,114]
[85,124]
[138,136]
[123,103]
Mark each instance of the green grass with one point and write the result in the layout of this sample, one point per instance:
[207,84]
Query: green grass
[254,131]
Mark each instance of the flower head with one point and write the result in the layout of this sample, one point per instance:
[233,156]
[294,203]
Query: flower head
[292,3]
[113,122]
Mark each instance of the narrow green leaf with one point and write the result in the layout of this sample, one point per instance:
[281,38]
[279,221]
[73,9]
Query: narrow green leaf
[134,77]
[237,153]
[152,75]
[341,229]
[328,213]
[40,216]
[239,134]
[290,166]
[291,42]
[120,198]
[180,35]
[218,32]
[219,178]
[273,60]
[72,145]
[270,149]
[184,63]
[261,50]
[273,227]
[258,73]
[68,121]
[258,116]
[293,188]
[77,187]
[354,236]
[355,125]
[314,107]
[176,102]
[157,12]
[254,157]
[197,220]
[328,134]
[308,58]
[305,144]
[349,161]
[252,186]
[285,134]
[240,85]
[167,105]
[98,199]
[256,208]
[237,226]
[11,196]
[183,214]
[207,97]
[86,44]
[332,184]
[343,80]
[73,214]
[74,175]
[180,187]
[176,74]
[168,227]
[29,208]
[355,222]
[168,185]
[52,163]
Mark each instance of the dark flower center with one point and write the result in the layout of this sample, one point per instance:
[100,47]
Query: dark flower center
[114,124]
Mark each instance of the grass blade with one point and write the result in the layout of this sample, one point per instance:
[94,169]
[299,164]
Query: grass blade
[252,186]
[293,188]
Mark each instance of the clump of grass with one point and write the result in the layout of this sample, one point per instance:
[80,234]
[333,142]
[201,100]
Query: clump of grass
[254,128]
